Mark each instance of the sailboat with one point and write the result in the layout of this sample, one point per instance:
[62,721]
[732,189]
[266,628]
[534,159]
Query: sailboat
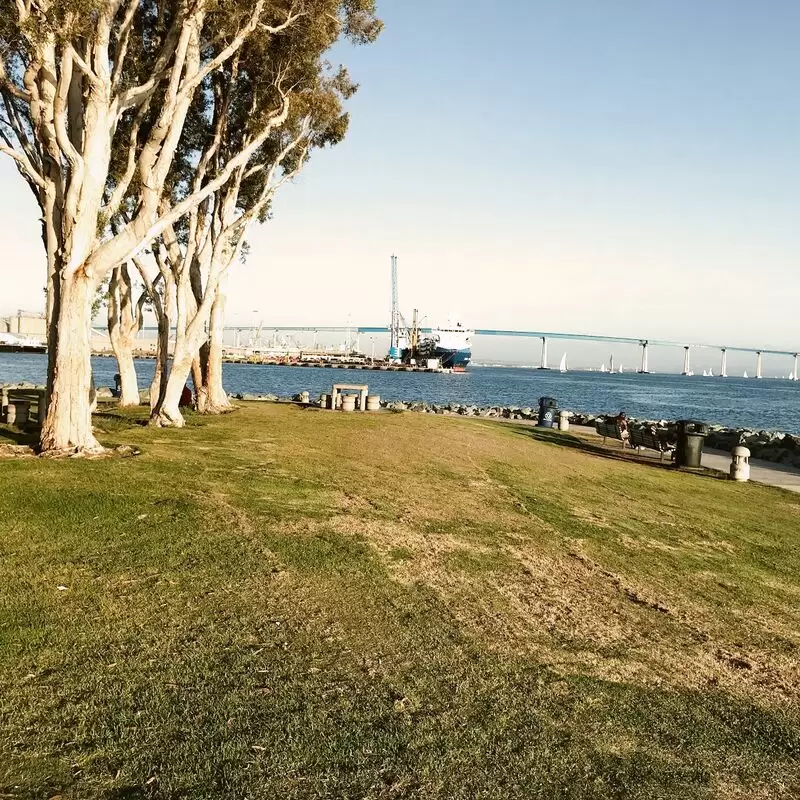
[745,374]
[611,363]
[603,367]
[620,369]
[711,373]
[562,367]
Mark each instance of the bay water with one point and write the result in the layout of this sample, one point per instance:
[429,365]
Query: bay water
[768,403]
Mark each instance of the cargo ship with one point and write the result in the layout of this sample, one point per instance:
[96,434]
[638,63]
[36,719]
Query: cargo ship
[451,345]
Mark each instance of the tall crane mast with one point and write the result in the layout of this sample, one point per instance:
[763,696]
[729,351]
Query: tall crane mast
[394,329]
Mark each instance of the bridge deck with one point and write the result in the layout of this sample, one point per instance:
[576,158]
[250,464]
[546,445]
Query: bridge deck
[585,337]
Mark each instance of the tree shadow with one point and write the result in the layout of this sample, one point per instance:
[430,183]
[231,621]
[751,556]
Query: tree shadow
[647,459]
[9,435]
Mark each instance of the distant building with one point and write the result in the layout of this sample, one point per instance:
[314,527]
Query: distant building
[25,323]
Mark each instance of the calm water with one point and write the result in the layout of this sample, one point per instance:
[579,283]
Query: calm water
[738,402]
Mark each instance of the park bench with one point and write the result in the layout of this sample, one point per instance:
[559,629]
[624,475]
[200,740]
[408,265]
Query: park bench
[609,430]
[638,438]
[641,438]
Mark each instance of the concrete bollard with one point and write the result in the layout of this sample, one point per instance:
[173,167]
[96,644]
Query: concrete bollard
[740,463]
[324,401]
[18,412]
[373,402]
[304,397]
[563,420]
[348,402]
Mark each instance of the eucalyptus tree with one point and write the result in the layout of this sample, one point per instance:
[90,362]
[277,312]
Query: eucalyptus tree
[70,73]
[125,319]
[226,119]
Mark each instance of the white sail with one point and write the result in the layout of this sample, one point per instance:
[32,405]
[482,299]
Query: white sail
[603,367]
[711,373]
[745,374]
[620,369]
[562,367]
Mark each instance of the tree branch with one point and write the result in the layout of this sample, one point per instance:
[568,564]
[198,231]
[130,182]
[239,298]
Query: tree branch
[237,42]
[134,237]
[23,165]
[123,38]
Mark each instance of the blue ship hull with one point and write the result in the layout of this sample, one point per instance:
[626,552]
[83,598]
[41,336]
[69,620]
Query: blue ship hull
[452,358]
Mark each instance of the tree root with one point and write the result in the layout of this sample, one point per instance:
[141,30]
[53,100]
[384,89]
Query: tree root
[217,410]
[122,451]
[167,420]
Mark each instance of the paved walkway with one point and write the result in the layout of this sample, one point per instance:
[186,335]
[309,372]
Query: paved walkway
[766,472]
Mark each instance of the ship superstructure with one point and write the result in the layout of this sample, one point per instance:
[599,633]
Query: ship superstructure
[450,344]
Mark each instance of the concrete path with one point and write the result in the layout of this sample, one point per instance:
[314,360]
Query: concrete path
[780,475]
[766,472]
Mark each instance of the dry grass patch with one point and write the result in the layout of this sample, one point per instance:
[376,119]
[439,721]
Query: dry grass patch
[289,603]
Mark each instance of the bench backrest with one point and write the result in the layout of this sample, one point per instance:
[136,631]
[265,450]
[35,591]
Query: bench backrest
[648,439]
[608,429]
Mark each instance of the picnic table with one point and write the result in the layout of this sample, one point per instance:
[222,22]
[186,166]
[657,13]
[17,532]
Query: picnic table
[340,388]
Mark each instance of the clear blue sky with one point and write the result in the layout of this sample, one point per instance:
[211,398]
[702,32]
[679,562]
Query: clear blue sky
[619,167]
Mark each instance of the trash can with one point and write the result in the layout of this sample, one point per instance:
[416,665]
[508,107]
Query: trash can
[548,412]
[691,436]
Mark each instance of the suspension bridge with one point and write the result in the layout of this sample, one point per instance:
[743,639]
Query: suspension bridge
[547,336]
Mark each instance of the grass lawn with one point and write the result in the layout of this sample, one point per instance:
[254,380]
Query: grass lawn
[288,603]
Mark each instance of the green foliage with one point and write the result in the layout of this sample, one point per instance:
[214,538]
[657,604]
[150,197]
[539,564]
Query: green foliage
[100,298]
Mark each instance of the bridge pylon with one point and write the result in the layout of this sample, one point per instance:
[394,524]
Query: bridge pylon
[644,370]
[544,353]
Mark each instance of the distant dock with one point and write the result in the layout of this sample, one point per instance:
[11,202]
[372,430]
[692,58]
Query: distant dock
[329,363]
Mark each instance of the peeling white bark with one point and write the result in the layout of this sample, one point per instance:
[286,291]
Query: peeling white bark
[124,322]
[68,424]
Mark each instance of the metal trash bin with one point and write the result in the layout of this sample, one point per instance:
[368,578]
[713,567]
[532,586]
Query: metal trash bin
[691,437]
[548,412]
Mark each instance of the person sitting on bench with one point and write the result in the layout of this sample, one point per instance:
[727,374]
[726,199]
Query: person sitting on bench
[622,423]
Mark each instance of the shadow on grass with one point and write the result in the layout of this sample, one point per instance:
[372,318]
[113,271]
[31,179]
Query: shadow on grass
[573,442]
[455,722]
[113,421]
[9,435]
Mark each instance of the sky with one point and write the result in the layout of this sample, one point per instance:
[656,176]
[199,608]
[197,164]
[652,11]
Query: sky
[625,167]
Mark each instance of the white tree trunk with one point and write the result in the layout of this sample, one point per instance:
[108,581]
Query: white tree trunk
[158,385]
[169,413]
[123,324]
[129,383]
[214,395]
[68,424]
